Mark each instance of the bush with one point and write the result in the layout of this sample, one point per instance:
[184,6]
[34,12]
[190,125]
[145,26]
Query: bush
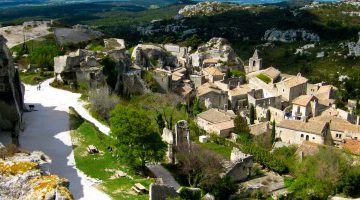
[102,102]
[188,194]
[224,188]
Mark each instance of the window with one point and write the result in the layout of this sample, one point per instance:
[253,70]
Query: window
[302,135]
[313,138]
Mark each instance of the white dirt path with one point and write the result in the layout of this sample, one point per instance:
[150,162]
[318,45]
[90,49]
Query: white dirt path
[47,130]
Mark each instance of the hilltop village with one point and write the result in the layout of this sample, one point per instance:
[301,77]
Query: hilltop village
[171,121]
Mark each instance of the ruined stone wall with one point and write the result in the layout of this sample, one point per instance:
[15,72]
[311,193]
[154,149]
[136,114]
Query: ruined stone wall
[161,192]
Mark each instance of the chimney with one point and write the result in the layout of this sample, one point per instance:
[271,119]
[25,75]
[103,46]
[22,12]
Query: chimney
[358,120]
[238,85]
[225,107]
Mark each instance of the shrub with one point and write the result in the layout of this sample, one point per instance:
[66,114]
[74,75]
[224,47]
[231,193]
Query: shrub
[188,194]
[102,102]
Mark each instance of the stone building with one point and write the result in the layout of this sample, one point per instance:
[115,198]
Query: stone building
[83,65]
[11,93]
[216,121]
[292,87]
[263,99]
[212,97]
[255,63]
[295,131]
[213,74]
[304,106]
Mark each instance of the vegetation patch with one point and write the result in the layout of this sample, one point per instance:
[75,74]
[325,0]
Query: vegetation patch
[103,165]
[264,78]
[33,78]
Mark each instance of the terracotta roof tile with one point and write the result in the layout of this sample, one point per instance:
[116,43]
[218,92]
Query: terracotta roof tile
[315,127]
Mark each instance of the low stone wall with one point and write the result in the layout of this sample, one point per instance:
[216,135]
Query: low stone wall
[161,192]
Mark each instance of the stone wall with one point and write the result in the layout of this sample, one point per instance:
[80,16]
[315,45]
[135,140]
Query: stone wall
[240,167]
[161,192]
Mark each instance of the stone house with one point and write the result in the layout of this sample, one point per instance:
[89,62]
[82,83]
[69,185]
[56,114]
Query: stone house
[229,83]
[212,97]
[292,87]
[276,114]
[272,73]
[255,63]
[263,99]
[216,121]
[213,74]
[295,131]
[210,62]
[163,78]
[340,129]
[304,107]
[238,97]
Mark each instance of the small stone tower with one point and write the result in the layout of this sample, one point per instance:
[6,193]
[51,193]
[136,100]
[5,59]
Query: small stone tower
[182,133]
[255,63]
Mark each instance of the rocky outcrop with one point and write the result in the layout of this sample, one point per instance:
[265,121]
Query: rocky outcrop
[291,35]
[216,49]
[155,56]
[11,92]
[22,176]
[207,9]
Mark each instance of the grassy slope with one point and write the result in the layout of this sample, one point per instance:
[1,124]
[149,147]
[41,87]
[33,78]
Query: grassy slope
[94,166]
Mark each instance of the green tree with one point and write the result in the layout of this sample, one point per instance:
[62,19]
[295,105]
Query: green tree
[197,107]
[136,140]
[252,114]
[160,121]
[273,132]
[224,188]
[241,126]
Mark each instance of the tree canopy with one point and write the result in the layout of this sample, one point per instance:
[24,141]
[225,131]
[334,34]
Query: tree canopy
[136,139]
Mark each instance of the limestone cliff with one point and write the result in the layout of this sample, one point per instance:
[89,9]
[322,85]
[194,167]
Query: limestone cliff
[11,91]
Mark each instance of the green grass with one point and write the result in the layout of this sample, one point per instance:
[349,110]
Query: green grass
[33,78]
[98,165]
[264,78]
[96,47]
[219,149]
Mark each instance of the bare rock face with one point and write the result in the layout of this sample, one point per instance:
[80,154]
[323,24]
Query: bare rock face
[290,35]
[207,8]
[21,177]
[153,56]
[216,48]
[11,92]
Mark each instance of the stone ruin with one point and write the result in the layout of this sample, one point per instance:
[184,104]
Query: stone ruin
[11,93]
[240,166]
[174,139]
[83,65]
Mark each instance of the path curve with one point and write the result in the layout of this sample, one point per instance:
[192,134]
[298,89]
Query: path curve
[47,129]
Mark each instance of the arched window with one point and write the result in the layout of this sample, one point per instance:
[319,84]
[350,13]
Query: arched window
[307,138]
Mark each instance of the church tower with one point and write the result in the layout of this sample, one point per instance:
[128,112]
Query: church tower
[255,62]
